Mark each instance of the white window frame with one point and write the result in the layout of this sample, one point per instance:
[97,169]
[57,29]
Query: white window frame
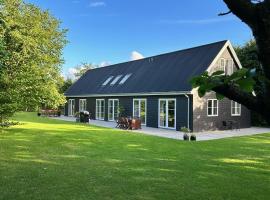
[224,64]
[113,100]
[175,110]
[107,81]
[80,104]
[212,108]
[124,79]
[140,100]
[116,79]
[98,117]
[73,104]
[234,108]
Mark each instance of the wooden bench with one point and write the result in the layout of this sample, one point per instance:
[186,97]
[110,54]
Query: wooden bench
[49,113]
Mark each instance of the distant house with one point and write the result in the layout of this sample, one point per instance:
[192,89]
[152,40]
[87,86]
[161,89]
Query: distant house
[157,90]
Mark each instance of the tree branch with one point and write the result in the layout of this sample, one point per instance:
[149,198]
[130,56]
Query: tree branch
[244,9]
[250,101]
[226,13]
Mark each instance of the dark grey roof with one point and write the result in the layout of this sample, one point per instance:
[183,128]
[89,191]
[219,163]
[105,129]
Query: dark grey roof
[168,72]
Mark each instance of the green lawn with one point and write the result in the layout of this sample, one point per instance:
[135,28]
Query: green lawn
[50,159]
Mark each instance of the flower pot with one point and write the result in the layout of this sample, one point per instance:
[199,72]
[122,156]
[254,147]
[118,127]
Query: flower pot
[193,138]
[186,137]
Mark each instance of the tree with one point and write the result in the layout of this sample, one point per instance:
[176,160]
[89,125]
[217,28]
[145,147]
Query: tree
[82,68]
[248,56]
[7,104]
[250,87]
[67,83]
[33,42]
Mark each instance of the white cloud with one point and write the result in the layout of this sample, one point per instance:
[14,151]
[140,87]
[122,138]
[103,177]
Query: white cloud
[104,64]
[71,73]
[97,4]
[198,21]
[135,55]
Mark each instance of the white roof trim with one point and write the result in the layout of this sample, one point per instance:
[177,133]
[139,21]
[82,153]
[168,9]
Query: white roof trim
[132,94]
[226,45]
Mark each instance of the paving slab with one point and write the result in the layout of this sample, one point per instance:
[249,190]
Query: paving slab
[172,134]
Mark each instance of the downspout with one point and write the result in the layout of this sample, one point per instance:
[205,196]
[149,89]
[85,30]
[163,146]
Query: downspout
[188,111]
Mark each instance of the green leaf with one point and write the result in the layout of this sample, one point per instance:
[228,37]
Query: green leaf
[219,96]
[201,91]
[218,73]
[246,84]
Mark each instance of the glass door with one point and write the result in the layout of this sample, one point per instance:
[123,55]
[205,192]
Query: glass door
[167,113]
[100,109]
[71,107]
[139,109]
[113,106]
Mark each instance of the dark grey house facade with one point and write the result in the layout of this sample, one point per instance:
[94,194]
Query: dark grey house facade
[157,90]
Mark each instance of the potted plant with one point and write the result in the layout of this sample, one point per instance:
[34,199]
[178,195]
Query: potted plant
[186,131]
[192,137]
[121,110]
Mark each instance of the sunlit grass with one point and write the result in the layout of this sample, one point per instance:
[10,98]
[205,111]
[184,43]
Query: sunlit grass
[51,159]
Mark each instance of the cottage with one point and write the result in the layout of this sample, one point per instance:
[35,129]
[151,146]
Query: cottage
[157,90]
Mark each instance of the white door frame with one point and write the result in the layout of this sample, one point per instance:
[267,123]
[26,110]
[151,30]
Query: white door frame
[140,100]
[99,117]
[167,108]
[113,107]
[80,104]
[71,107]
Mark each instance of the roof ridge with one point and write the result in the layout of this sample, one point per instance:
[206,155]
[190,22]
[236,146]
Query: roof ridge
[162,54]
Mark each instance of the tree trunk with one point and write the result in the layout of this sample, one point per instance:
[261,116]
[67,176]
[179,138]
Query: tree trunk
[257,17]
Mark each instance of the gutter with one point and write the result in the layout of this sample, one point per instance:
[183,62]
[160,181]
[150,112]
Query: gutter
[132,94]
[188,110]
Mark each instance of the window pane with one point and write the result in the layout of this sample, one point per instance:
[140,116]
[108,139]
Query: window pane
[215,111]
[171,112]
[107,80]
[110,110]
[116,113]
[125,79]
[209,103]
[143,110]
[171,104]
[162,113]
[215,103]
[116,79]
[136,108]
[222,63]
[209,111]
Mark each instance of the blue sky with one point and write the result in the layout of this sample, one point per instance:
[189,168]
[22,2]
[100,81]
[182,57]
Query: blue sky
[109,31]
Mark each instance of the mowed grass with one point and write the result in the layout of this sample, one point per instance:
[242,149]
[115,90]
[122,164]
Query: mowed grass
[49,159]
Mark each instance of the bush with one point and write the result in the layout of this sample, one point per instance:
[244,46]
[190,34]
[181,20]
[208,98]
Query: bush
[186,133]
[185,130]
[7,124]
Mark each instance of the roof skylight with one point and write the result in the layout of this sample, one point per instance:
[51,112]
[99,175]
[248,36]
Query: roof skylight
[125,79]
[116,79]
[107,80]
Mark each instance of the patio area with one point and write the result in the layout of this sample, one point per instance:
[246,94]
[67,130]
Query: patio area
[201,136]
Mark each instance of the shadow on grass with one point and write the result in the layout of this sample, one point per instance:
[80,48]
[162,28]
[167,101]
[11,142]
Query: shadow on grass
[63,160]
